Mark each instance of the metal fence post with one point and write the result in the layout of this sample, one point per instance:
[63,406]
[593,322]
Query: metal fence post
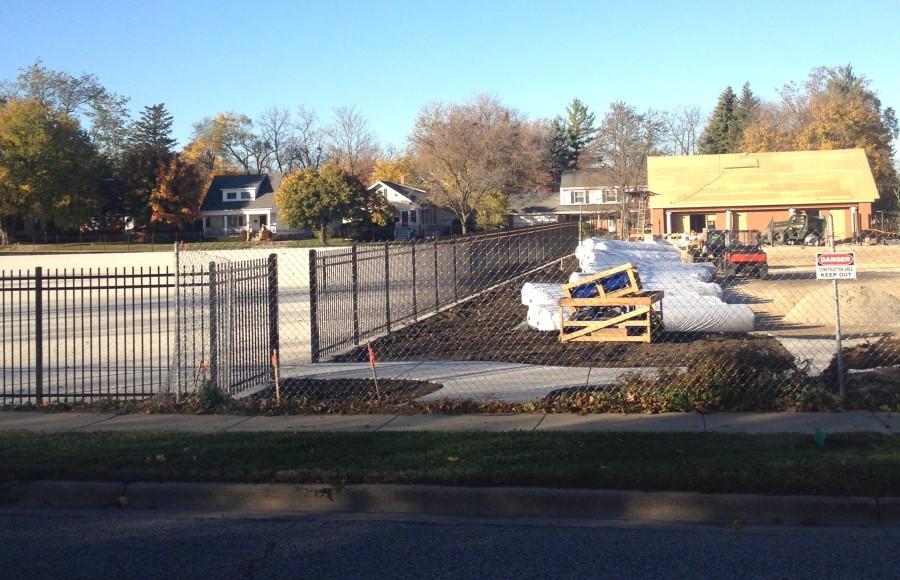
[415,306]
[839,348]
[39,335]
[274,337]
[387,286]
[313,308]
[213,327]
[455,280]
[437,294]
[354,292]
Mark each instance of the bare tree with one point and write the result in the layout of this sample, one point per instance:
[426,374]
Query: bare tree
[353,145]
[681,130]
[625,140]
[277,131]
[467,153]
[310,144]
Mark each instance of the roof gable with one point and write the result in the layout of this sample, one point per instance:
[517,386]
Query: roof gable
[413,194]
[752,179]
[260,184]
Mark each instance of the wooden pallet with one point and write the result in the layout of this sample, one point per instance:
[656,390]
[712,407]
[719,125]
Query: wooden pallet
[627,318]
[602,280]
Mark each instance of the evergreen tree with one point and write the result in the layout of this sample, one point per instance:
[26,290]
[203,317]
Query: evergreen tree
[154,130]
[580,130]
[722,132]
[559,148]
[149,153]
[747,108]
[571,137]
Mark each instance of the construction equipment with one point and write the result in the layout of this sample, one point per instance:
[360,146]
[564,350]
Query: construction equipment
[746,259]
[800,229]
[610,307]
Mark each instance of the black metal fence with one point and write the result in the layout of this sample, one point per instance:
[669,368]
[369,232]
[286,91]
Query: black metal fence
[362,292]
[68,335]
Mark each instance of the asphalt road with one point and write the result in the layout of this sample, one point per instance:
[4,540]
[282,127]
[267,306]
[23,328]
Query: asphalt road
[108,544]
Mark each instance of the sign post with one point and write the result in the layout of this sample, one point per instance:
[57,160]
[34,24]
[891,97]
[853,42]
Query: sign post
[836,266]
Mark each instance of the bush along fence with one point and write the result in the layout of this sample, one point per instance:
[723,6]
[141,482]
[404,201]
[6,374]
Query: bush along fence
[363,292]
[71,335]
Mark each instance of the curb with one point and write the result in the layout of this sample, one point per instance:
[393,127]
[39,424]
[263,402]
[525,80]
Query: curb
[670,507]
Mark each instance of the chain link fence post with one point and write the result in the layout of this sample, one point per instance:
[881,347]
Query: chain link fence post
[313,307]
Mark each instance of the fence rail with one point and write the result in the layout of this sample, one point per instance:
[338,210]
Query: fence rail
[363,292]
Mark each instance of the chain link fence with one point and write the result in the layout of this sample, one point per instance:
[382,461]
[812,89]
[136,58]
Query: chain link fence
[703,324]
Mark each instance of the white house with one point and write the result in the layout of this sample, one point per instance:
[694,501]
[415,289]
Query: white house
[238,203]
[415,216]
[585,195]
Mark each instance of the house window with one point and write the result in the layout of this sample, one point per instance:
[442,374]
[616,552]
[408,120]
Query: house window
[207,223]
[412,216]
[610,224]
[579,197]
[610,195]
[246,195]
[235,221]
[230,196]
[404,218]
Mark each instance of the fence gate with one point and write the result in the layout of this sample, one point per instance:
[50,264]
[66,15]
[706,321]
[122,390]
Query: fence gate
[227,319]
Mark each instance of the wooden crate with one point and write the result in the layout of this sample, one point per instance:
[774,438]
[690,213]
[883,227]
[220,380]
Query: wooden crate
[632,318]
[626,273]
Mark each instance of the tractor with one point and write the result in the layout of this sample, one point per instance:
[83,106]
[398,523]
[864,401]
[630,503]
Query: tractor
[800,229]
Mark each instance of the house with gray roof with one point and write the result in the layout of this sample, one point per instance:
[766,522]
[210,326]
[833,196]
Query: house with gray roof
[241,203]
[414,215]
[586,195]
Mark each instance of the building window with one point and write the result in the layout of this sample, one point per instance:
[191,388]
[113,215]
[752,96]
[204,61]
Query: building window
[230,196]
[246,195]
[412,216]
[610,195]
[404,218]
[579,197]
[610,224]
[207,223]
[235,221]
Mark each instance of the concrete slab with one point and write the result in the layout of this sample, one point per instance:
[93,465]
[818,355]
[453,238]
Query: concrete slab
[463,423]
[306,423]
[892,420]
[192,423]
[663,422]
[49,422]
[464,380]
[757,423]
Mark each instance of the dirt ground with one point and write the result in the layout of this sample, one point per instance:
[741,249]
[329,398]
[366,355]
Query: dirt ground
[492,327]
[791,302]
[319,391]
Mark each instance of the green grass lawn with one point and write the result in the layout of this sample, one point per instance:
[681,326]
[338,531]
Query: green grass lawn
[858,464]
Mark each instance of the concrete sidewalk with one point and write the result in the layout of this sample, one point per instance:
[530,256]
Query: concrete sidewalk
[750,423]
[475,380]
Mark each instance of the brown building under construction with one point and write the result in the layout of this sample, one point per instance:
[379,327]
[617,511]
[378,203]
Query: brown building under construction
[746,190]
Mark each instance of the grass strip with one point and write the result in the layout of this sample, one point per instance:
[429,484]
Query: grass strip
[851,464]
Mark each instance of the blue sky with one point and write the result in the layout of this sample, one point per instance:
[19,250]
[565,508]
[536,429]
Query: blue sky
[390,58]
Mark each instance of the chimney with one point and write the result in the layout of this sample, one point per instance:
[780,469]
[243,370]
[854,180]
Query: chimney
[402,179]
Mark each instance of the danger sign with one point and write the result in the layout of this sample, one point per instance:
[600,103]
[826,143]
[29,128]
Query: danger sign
[836,266]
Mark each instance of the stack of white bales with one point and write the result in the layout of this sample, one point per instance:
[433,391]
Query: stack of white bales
[692,300]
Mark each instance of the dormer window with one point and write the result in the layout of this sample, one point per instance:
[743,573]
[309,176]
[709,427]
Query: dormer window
[238,194]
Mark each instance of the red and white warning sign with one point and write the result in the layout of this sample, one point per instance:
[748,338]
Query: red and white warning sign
[836,266]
